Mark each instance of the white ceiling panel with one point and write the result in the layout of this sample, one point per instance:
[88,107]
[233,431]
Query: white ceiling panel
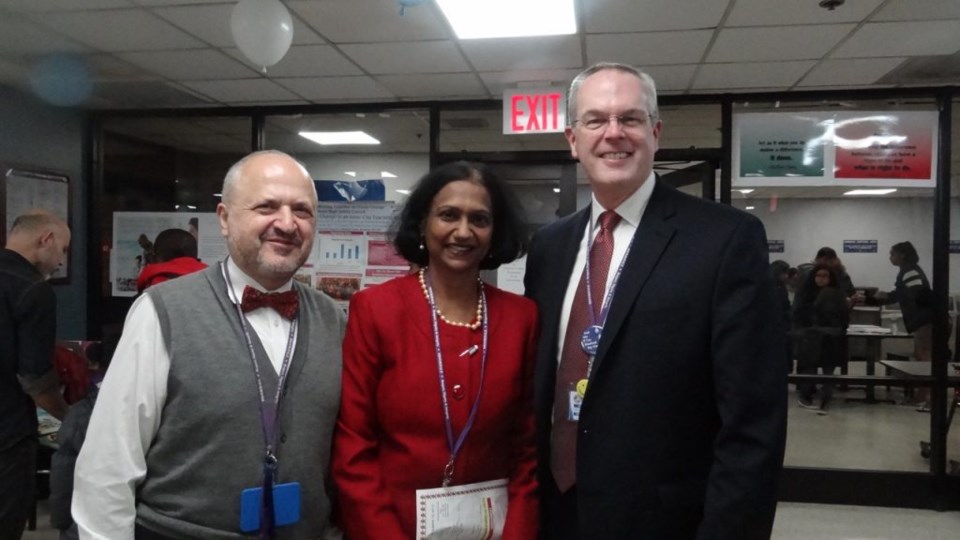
[648,48]
[151,3]
[523,53]
[350,21]
[211,23]
[448,85]
[107,67]
[914,10]
[306,61]
[850,72]
[120,30]
[770,75]
[332,89]
[407,57]
[777,42]
[11,73]
[498,81]
[190,65]
[651,15]
[671,79]
[784,12]
[63,5]
[902,39]
[242,90]
[21,37]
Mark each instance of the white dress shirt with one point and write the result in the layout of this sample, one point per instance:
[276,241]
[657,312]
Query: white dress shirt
[630,212]
[112,461]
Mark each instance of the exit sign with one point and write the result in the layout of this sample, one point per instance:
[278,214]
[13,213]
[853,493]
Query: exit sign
[528,110]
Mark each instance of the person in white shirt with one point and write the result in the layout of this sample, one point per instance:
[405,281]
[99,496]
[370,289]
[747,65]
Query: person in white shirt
[190,436]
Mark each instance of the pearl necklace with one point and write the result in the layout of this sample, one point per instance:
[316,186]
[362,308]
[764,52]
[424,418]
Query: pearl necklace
[472,326]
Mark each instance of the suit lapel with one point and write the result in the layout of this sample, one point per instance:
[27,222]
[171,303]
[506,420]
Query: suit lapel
[649,242]
[565,244]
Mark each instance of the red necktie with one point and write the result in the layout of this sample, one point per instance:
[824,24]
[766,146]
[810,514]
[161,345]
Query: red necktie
[573,360]
[284,303]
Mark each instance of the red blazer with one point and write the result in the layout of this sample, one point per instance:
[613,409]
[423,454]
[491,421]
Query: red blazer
[390,438]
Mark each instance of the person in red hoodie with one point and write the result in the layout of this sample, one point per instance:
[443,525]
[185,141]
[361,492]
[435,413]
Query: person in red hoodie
[175,254]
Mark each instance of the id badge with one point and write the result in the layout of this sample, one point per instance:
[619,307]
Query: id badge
[574,400]
[286,506]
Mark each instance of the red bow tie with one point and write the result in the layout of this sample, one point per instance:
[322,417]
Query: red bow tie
[284,303]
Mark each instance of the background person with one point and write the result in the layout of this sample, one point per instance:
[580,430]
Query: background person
[824,316]
[175,255]
[391,436]
[37,245]
[912,291]
[179,431]
[680,431]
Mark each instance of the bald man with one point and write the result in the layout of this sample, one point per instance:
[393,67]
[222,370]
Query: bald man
[189,432]
[36,246]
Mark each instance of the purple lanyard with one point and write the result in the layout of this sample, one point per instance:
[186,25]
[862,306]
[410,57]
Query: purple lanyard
[448,424]
[269,412]
[605,308]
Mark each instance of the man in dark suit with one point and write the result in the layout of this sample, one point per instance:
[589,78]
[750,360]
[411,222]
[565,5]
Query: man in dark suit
[661,415]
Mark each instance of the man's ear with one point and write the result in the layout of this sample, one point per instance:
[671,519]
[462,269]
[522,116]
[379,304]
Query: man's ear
[222,212]
[46,238]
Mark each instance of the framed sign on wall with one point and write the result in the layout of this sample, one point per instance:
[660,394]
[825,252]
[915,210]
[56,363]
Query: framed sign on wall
[24,188]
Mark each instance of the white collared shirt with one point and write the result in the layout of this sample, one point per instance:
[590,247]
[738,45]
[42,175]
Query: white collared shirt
[630,211]
[112,461]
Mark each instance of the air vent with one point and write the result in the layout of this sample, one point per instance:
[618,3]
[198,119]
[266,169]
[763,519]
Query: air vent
[466,123]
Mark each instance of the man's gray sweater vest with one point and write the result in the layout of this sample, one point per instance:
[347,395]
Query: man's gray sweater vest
[210,444]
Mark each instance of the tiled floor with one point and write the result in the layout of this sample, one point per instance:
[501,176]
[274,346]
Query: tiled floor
[796,521]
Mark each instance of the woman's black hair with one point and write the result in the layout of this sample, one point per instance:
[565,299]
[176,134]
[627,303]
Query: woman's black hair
[907,252]
[509,238]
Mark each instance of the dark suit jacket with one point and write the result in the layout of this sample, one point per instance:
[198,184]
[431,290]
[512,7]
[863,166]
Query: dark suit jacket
[682,429]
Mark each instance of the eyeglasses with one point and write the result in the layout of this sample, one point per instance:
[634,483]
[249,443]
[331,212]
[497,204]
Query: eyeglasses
[626,121]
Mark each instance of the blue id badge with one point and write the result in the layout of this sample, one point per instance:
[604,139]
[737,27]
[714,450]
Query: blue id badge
[286,506]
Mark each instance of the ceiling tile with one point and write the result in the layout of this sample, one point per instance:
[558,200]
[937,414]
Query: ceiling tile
[790,12]
[523,53]
[211,23]
[754,75]
[21,37]
[12,73]
[63,5]
[242,90]
[341,21]
[448,85]
[106,67]
[777,42]
[145,94]
[329,89]
[671,79]
[120,30]
[190,65]
[651,48]
[306,61]
[498,81]
[650,15]
[177,2]
[902,39]
[911,10]
[407,57]
[850,72]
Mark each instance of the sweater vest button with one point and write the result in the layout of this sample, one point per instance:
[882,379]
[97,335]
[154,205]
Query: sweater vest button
[458,392]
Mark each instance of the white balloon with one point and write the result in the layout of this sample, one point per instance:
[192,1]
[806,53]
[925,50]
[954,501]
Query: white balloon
[262,29]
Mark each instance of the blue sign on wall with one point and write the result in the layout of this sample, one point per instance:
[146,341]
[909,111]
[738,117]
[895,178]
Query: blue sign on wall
[350,190]
[859,246]
[774,246]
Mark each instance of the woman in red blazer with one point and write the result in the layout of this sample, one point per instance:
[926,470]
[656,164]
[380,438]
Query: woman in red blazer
[438,366]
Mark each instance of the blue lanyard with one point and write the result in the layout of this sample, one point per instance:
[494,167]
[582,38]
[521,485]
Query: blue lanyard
[269,411]
[448,424]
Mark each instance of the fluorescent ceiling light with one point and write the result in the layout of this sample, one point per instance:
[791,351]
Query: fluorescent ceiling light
[750,207]
[338,137]
[352,174]
[556,190]
[509,18]
[220,195]
[387,174]
[403,191]
[870,191]
[745,191]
